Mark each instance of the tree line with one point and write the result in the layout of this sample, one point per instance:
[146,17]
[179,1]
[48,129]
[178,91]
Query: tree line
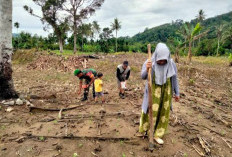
[200,36]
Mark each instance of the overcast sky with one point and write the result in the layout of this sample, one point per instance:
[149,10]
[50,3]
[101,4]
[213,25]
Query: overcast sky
[135,15]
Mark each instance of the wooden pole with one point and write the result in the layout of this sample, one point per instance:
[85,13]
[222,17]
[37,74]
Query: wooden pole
[85,61]
[151,131]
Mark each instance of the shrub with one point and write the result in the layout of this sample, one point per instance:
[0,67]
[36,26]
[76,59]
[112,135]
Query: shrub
[230,59]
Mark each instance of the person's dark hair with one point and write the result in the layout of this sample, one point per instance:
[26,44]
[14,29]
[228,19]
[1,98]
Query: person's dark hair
[99,75]
[126,63]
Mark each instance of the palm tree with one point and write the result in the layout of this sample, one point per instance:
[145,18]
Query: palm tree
[219,36]
[16,25]
[95,28]
[6,86]
[116,25]
[200,17]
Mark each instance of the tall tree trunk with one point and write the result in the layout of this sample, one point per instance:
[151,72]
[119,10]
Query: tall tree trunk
[75,40]
[190,52]
[17,39]
[61,45]
[199,40]
[116,41]
[75,33]
[177,55]
[218,46]
[82,43]
[6,82]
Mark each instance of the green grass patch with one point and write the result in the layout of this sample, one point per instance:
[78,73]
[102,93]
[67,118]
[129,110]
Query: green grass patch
[41,138]
[55,121]
[211,60]
[70,53]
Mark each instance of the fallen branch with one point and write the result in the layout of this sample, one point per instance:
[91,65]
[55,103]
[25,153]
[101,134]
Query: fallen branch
[132,103]
[48,120]
[9,122]
[31,108]
[204,145]
[198,151]
[99,129]
[98,115]
[212,130]
[82,137]
[222,120]
[66,129]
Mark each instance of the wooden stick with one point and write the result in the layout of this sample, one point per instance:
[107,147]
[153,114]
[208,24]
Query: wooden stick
[204,145]
[94,154]
[66,129]
[221,119]
[52,109]
[198,151]
[60,114]
[151,137]
[106,115]
[83,137]
[85,61]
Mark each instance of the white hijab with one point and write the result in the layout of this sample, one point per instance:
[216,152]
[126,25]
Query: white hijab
[162,72]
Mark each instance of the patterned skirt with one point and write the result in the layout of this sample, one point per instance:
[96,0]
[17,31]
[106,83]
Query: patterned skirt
[161,98]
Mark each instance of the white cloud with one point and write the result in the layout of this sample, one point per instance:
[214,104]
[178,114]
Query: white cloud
[135,15]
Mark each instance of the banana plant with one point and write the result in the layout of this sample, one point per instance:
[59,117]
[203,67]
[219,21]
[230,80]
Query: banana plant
[178,45]
[192,34]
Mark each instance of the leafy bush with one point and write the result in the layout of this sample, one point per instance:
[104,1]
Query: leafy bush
[206,47]
[230,59]
[91,48]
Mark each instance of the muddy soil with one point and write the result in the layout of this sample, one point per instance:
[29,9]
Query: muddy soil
[200,124]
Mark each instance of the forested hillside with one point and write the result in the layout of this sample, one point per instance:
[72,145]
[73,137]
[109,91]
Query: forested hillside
[215,38]
[169,30]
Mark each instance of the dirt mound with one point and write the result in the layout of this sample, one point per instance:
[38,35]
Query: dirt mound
[61,64]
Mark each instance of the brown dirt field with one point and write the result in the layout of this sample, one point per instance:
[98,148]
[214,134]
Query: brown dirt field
[204,112]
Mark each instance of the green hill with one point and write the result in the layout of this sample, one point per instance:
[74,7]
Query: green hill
[163,32]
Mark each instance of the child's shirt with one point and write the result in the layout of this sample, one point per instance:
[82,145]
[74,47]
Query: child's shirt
[98,85]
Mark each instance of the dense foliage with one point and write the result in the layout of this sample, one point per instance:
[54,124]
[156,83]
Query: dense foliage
[90,38]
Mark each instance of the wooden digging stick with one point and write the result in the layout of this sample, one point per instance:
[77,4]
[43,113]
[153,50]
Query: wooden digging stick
[85,61]
[151,134]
